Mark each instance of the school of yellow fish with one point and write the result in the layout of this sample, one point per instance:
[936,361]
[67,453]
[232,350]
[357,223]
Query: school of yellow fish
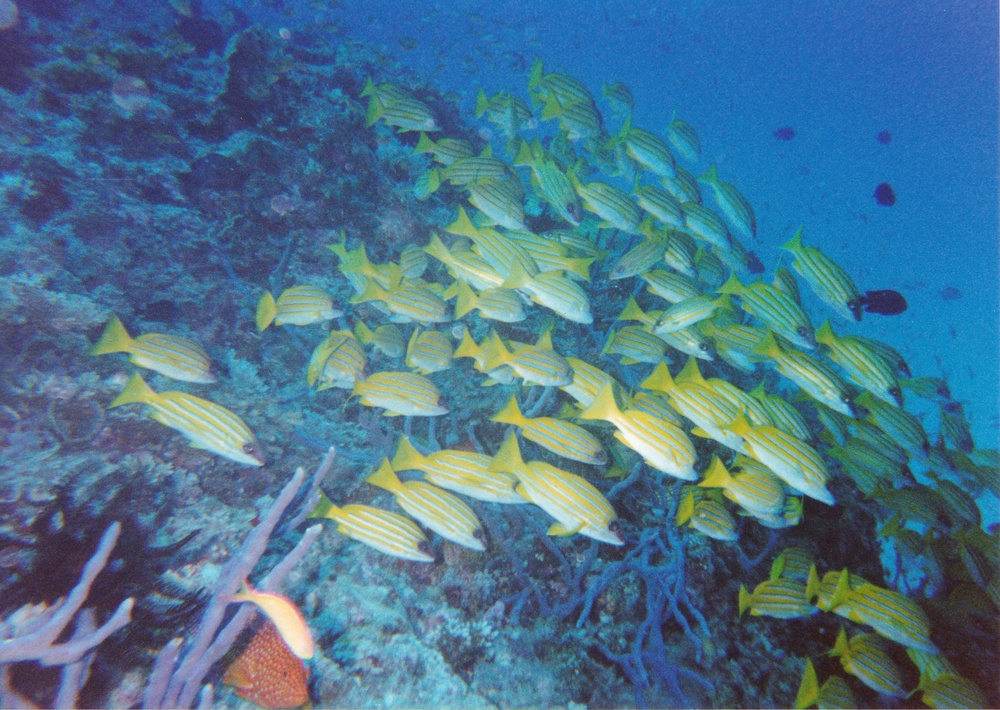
[686,251]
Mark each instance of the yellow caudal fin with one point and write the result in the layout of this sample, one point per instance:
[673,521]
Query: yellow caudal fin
[508,458]
[136,391]
[524,156]
[482,103]
[824,334]
[115,339]
[733,285]
[711,175]
[840,647]
[374,111]
[372,292]
[716,475]
[267,309]
[385,477]
[633,312]
[518,278]
[363,333]
[604,405]
[436,248]
[495,353]
[685,509]
[767,347]
[579,267]
[510,414]
[424,144]
[659,379]
[795,243]
[466,299]
[808,694]
[463,226]
[745,599]
[324,509]
[690,373]
[407,457]
[467,347]
[812,583]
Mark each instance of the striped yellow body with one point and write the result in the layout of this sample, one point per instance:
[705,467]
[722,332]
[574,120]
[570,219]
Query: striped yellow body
[401,393]
[684,139]
[338,361]
[429,351]
[382,530]
[831,283]
[782,598]
[170,355]
[560,437]
[774,308]
[459,471]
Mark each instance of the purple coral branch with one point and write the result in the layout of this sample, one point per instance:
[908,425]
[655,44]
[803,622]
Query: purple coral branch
[35,643]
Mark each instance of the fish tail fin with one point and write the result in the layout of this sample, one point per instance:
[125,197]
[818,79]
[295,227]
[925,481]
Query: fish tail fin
[267,309]
[369,89]
[465,299]
[374,111]
[745,599]
[711,175]
[716,475]
[115,339]
[580,267]
[467,347]
[323,508]
[691,373]
[518,277]
[524,156]
[840,647]
[812,584]
[795,243]
[424,144]
[659,379]
[406,457]
[463,226]
[482,103]
[436,248]
[385,477]
[808,694]
[136,391]
[371,292]
[604,405]
[495,353]
[363,333]
[685,509]
[632,312]
[824,334]
[510,414]
[767,347]
[508,457]
[732,285]
[535,77]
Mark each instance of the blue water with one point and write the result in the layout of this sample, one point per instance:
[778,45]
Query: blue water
[125,234]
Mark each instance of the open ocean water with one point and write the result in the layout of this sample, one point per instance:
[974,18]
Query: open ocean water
[170,163]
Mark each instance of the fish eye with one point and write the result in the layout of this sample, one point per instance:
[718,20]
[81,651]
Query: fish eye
[803,331]
[615,527]
[846,399]
[705,347]
[478,534]
[897,393]
[249,448]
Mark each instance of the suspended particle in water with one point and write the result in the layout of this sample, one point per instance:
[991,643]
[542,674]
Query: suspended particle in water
[130,93]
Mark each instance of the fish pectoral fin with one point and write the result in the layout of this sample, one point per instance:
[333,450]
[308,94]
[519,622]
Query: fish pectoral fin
[561,530]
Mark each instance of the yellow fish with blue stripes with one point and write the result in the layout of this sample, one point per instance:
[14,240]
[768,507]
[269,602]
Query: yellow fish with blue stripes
[562,438]
[464,472]
[382,530]
[207,425]
[177,358]
[401,394]
[298,305]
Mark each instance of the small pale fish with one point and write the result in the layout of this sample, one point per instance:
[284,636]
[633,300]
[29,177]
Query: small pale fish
[386,93]
[663,445]
[709,411]
[560,437]
[703,224]
[951,691]
[863,365]
[670,286]
[688,312]
[501,201]
[781,598]
[709,267]
[170,355]
[401,394]
[792,562]
[429,351]
[578,243]
[357,268]
[298,305]
[691,342]
[462,472]
[861,657]
[684,139]
[903,427]
[887,353]
[493,303]
[565,88]
[834,694]
[400,110]
[553,291]
[412,261]
[706,515]
[386,338]
[635,344]
[784,280]
[782,414]
[619,97]
[437,509]
[789,518]
[814,377]
[683,185]
[575,503]
[617,209]
[206,424]
[828,280]
[476,169]
[285,616]
[535,365]
[774,308]
[407,301]
[445,150]
[680,253]
[587,381]
[661,205]
[508,112]
[551,184]
[648,149]
[382,530]
[733,204]
[579,119]
[656,404]
[793,461]
[639,259]
[338,361]
[757,492]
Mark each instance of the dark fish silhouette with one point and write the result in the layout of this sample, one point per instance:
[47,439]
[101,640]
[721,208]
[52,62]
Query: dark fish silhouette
[886,302]
[785,133]
[884,195]
[950,293]
[884,137]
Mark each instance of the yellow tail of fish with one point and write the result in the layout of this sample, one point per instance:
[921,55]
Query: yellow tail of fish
[136,391]
[115,339]
[385,477]
[407,457]
[267,309]
[510,414]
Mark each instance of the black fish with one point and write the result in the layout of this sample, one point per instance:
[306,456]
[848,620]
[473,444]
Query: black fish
[886,302]
[785,133]
[884,137]
[950,293]
[884,195]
